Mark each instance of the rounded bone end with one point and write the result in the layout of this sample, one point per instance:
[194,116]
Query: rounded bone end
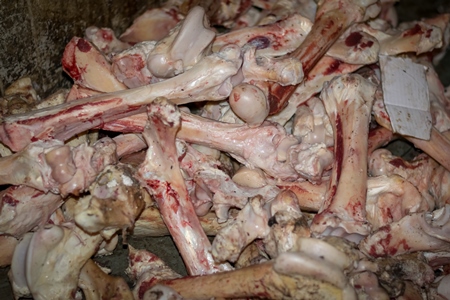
[249,103]
[253,178]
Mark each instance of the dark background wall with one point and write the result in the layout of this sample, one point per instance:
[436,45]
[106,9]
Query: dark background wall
[33,34]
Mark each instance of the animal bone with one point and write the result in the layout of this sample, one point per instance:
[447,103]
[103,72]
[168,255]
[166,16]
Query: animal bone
[153,24]
[430,178]
[60,168]
[96,284]
[201,82]
[348,100]
[50,260]
[332,19]
[115,201]
[24,208]
[186,45]
[293,275]
[88,67]
[160,175]
[415,232]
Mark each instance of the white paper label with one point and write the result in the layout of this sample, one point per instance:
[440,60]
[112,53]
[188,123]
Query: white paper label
[405,92]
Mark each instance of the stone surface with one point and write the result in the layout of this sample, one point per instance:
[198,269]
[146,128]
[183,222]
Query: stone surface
[33,34]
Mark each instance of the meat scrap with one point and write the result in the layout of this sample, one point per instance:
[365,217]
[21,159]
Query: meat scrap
[248,123]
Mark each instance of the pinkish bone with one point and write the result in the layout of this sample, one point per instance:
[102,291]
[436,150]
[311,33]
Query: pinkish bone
[160,175]
[207,80]
[348,100]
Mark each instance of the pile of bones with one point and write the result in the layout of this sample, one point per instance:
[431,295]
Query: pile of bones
[261,123]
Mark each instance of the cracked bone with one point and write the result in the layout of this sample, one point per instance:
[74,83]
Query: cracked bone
[293,275]
[332,19]
[437,146]
[185,46]
[160,174]
[88,67]
[209,79]
[96,284]
[115,201]
[348,100]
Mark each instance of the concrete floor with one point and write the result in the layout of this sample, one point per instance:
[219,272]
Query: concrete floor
[164,246]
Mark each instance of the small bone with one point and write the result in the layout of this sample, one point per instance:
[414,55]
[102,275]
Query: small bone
[88,67]
[115,201]
[96,284]
[184,47]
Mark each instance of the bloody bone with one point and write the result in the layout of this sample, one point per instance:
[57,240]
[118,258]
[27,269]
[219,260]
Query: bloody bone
[348,100]
[207,80]
[160,175]
[332,19]
[438,146]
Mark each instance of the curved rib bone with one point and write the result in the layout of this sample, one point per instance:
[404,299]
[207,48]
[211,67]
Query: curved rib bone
[160,175]
[348,100]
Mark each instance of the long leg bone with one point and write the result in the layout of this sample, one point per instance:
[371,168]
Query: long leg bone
[293,275]
[160,175]
[332,19]
[348,100]
[207,80]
